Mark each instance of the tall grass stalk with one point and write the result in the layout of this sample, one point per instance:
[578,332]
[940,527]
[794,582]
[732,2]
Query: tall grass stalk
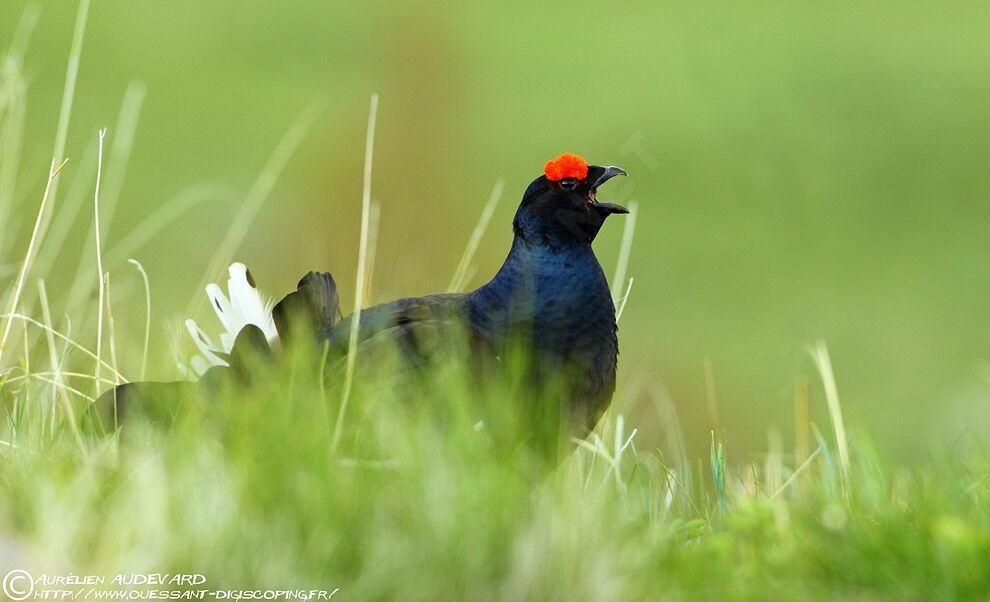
[147,314]
[823,362]
[117,160]
[622,301]
[374,220]
[797,472]
[369,153]
[29,256]
[625,249]
[67,218]
[99,260]
[58,382]
[112,331]
[53,359]
[68,94]
[461,273]
[711,399]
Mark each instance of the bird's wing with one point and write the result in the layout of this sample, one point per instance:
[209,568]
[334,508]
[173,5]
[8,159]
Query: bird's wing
[412,332]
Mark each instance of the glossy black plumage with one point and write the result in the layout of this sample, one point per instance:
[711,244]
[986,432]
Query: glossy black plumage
[550,297]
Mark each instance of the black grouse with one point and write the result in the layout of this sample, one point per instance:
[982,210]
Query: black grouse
[550,298]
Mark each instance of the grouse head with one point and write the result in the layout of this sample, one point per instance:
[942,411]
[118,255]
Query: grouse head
[561,206]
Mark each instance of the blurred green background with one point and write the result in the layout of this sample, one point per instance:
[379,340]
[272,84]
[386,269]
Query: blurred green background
[802,171]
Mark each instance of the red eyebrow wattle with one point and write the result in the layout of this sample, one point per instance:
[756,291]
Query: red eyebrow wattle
[567,165]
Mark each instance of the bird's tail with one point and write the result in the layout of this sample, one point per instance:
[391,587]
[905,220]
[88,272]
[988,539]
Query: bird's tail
[309,312]
[313,309]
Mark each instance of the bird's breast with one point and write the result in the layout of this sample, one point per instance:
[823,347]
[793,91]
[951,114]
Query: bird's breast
[559,306]
[561,299]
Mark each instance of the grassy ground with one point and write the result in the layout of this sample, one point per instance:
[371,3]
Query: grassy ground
[419,501]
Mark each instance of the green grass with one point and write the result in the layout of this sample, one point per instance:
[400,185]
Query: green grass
[254,489]
[418,503]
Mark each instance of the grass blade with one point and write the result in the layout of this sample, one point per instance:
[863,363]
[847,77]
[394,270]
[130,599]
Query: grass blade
[819,354]
[461,274]
[360,278]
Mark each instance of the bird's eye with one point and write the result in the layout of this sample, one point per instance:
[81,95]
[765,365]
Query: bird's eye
[568,183]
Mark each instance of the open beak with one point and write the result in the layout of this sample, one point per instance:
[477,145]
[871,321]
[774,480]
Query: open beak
[607,174]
